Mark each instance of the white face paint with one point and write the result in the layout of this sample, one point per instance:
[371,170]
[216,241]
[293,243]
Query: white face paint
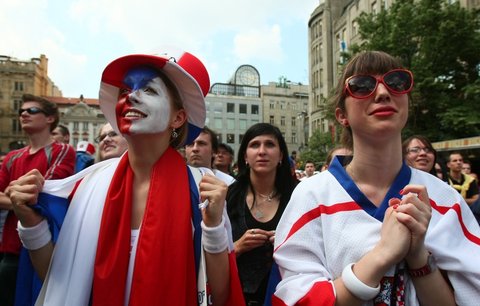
[146,110]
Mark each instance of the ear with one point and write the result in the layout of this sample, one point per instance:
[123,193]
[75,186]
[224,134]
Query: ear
[179,118]
[50,119]
[341,117]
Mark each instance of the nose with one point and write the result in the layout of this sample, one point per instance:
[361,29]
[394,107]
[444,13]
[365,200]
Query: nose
[133,97]
[381,92]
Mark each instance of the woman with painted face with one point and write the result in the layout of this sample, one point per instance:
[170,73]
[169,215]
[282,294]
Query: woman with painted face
[372,231]
[256,202]
[127,237]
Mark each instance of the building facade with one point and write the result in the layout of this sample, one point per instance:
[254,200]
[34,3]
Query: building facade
[285,105]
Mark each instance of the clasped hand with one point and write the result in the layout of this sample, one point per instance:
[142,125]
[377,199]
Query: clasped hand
[23,193]
[405,225]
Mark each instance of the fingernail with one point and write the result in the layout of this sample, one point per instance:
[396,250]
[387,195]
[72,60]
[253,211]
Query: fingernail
[401,191]
[395,206]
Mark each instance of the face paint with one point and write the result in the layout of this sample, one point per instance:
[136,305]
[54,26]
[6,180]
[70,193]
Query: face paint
[144,105]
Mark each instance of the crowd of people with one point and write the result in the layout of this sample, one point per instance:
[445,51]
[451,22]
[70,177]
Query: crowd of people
[160,213]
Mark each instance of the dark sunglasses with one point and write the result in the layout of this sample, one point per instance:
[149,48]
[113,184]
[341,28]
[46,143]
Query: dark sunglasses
[102,137]
[397,81]
[31,111]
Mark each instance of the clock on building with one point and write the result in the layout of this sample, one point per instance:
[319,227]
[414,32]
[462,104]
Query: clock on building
[248,75]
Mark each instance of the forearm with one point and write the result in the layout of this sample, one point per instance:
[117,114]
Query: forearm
[472,200]
[218,275]
[5,202]
[433,289]
[41,259]
[370,270]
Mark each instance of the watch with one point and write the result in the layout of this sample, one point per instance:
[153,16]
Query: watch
[426,269]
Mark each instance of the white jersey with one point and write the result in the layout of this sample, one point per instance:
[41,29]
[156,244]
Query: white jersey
[329,224]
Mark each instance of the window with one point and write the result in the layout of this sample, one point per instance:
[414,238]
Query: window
[272,119]
[217,123]
[294,137]
[218,108]
[16,105]
[254,109]
[18,86]
[230,138]
[242,124]
[230,108]
[16,127]
[294,121]
[282,121]
[230,124]
[272,104]
[75,126]
[282,104]
[243,109]
[85,126]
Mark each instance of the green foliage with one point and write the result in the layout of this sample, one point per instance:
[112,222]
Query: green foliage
[440,43]
[318,146]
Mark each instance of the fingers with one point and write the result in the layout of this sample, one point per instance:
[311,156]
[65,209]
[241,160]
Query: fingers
[215,191]
[419,190]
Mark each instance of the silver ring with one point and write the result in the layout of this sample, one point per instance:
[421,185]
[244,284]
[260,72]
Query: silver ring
[252,231]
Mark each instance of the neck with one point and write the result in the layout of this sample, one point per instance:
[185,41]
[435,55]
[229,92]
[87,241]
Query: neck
[144,151]
[371,162]
[39,140]
[263,185]
[456,175]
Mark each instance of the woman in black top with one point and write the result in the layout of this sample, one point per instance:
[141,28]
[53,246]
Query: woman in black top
[255,203]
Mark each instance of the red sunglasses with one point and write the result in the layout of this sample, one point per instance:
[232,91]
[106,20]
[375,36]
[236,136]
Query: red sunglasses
[397,81]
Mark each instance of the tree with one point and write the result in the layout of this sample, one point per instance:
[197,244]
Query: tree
[318,146]
[439,43]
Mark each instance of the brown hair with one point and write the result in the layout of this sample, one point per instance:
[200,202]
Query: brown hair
[367,62]
[182,132]
[50,108]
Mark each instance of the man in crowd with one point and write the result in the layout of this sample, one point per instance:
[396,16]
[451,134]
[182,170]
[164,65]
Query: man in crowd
[54,160]
[61,134]
[201,153]
[464,183]
[309,169]
[224,158]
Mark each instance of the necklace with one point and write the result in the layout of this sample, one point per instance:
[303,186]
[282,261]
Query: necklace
[268,197]
[258,212]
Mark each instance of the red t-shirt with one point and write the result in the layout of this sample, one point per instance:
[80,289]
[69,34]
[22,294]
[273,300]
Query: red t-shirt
[54,161]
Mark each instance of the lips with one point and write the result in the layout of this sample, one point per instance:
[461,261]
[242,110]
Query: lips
[383,111]
[133,114]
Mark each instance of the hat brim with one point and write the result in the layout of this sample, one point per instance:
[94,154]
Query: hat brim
[190,92]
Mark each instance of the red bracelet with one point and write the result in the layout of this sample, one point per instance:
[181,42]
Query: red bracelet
[428,268]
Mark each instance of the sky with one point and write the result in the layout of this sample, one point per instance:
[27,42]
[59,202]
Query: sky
[80,37]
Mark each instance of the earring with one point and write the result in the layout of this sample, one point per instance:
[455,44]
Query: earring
[174,133]
[246,163]
[345,123]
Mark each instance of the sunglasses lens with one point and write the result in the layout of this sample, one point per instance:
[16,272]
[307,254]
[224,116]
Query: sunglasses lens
[398,81]
[362,85]
[30,111]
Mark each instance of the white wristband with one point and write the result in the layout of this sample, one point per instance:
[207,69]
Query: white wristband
[214,239]
[356,286]
[35,237]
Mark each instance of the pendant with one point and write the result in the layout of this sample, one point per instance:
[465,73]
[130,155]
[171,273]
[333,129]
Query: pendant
[258,214]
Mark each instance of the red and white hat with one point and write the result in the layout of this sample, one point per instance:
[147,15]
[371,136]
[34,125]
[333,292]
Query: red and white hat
[85,146]
[186,72]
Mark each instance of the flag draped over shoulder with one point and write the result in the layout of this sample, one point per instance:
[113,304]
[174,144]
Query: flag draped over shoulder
[165,267]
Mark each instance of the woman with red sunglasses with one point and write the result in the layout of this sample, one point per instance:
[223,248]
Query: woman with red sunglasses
[373,231]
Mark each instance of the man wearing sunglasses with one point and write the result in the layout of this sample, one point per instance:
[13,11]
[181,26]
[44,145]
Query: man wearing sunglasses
[38,118]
